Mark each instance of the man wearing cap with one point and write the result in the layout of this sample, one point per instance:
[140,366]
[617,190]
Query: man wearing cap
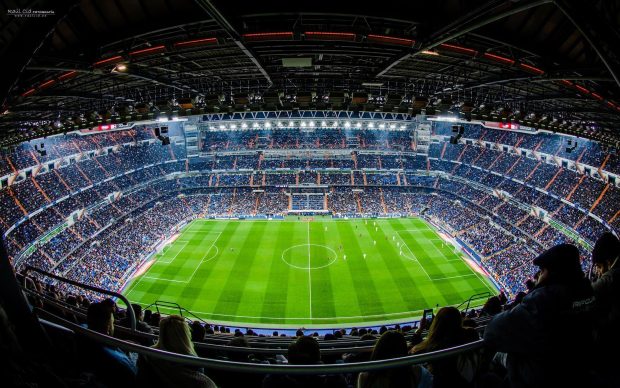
[548,337]
[607,291]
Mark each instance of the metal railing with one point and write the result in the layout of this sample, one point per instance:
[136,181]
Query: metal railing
[174,306]
[244,367]
[472,298]
[130,313]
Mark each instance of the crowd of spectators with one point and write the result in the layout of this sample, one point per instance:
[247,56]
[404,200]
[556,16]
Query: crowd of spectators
[498,230]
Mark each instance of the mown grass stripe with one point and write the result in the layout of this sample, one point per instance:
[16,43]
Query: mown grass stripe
[230,300]
[364,284]
[274,299]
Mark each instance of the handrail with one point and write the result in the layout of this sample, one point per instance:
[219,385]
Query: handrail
[244,367]
[131,314]
[270,347]
[480,295]
[174,305]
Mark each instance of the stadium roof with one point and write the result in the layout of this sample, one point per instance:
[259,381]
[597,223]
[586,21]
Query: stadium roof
[554,63]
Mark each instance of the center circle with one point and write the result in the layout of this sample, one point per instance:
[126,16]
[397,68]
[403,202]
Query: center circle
[309,256]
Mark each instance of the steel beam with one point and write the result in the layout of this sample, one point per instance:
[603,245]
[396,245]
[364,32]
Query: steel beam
[210,9]
[463,25]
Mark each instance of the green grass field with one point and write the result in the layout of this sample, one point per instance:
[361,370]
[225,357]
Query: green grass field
[317,273]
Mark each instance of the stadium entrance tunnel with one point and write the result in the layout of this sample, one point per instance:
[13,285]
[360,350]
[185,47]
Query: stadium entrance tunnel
[309,256]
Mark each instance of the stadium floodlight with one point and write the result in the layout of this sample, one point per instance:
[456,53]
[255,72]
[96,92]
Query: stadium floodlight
[392,126]
[267,124]
[244,125]
[162,119]
[255,125]
[233,126]
[303,124]
[371,125]
[358,125]
[291,124]
[323,123]
[312,124]
[382,126]
[347,124]
[402,127]
[222,127]
[280,124]
[335,124]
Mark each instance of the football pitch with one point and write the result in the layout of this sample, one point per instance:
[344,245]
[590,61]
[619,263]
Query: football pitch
[318,272]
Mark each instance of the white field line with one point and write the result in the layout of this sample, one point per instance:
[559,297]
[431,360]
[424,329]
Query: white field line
[422,266]
[309,275]
[203,257]
[302,318]
[441,253]
[193,273]
[473,272]
[175,256]
[163,279]
[455,277]
[414,256]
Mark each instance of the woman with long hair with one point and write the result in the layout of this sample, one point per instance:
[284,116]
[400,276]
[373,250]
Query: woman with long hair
[174,336]
[446,331]
[392,344]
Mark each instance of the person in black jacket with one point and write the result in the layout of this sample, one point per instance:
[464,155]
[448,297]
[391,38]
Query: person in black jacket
[605,257]
[547,339]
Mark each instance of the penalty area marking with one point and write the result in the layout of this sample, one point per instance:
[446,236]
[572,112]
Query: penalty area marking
[415,259]
[175,256]
[204,259]
[441,255]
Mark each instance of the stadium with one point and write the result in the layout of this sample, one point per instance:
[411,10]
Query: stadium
[204,193]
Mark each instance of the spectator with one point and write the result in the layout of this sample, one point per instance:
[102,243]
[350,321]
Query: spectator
[392,344]
[549,333]
[140,324]
[198,332]
[304,351]
[174,336]
[109,364]
[446,331]
[493,306]
[607,291]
